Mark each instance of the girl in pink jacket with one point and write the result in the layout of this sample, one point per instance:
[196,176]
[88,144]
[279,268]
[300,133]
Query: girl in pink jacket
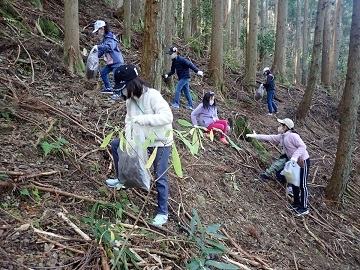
[295,149]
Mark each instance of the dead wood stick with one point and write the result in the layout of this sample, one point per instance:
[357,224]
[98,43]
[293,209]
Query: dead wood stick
[68,194]
[46,132]
[240,265]
[168,255]
[104,259]
[296,267]
[243,251]
[136,227]
[72,225]
[29,175]
[37,25]
[7,184]
[240,258]
[31,63]
[18,55]
[61,113]
[61,245]
[50,234]
[313,180]
[321,243]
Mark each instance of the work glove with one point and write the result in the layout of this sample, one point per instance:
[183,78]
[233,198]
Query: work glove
[293,161]
[165,76]
[95,48]
[200,73]
[137,120]
[250,135]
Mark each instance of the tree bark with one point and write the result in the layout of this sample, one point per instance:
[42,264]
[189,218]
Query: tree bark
[126,36]
[169,33]
[152,60]
[305,47]
[297,43]
[341,172]
[227,25]
[72,53]
[217,55]
[194,19]
[305,103]
[280,43]
[137,10]
[187,19]
[336,41]
[325,59]
[251,44]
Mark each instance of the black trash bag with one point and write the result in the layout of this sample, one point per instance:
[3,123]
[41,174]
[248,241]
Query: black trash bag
[132,171]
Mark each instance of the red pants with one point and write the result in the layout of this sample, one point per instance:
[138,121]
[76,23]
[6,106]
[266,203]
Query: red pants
[219,124]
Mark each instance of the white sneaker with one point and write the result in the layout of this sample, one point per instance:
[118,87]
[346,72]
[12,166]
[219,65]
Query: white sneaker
[160,220]
[112,182]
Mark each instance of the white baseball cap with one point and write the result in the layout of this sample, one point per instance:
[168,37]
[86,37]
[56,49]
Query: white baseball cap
[98,24]
[287,122]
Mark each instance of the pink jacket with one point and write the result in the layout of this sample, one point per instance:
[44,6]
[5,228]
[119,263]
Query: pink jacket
[294,146]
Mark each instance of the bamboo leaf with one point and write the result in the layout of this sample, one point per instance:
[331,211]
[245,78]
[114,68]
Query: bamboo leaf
[221,265]
[122,141]
[176,161]
[151,158]
[107,139]
[184,123]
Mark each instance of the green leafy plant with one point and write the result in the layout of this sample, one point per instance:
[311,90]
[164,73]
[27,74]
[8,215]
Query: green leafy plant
[148,141]
[54,146]
[6,112]
[109,234]
[34,191]
[208,241]
[197,136]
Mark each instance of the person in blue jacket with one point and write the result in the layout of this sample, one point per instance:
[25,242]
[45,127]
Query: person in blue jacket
[182,67]
[270,91]
[109,48]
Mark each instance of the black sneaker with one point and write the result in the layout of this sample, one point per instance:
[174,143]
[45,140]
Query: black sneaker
[293,206]
[263,176]
[302,211]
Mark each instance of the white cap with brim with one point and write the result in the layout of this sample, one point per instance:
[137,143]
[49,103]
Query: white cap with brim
[98,24]
[287,122]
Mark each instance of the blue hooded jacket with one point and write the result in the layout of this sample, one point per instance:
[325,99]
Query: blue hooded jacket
[182,66]
[110,47]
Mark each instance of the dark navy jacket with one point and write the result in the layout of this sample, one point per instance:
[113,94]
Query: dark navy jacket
[182,66]
[270,82]
[110,47]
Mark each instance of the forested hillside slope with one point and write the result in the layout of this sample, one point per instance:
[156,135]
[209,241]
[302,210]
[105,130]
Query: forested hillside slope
[57,213]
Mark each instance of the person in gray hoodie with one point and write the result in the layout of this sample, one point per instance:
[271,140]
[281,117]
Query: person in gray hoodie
[109,48]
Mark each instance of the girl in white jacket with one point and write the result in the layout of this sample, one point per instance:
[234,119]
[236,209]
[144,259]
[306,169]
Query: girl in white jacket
[147,110]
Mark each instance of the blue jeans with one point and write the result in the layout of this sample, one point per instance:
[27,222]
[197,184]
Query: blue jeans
[160,166]
[104,75]
[183,84]
[270,101]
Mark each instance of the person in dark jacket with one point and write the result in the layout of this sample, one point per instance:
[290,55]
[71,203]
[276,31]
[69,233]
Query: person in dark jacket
[182,67]
[270,91]
[109,47]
